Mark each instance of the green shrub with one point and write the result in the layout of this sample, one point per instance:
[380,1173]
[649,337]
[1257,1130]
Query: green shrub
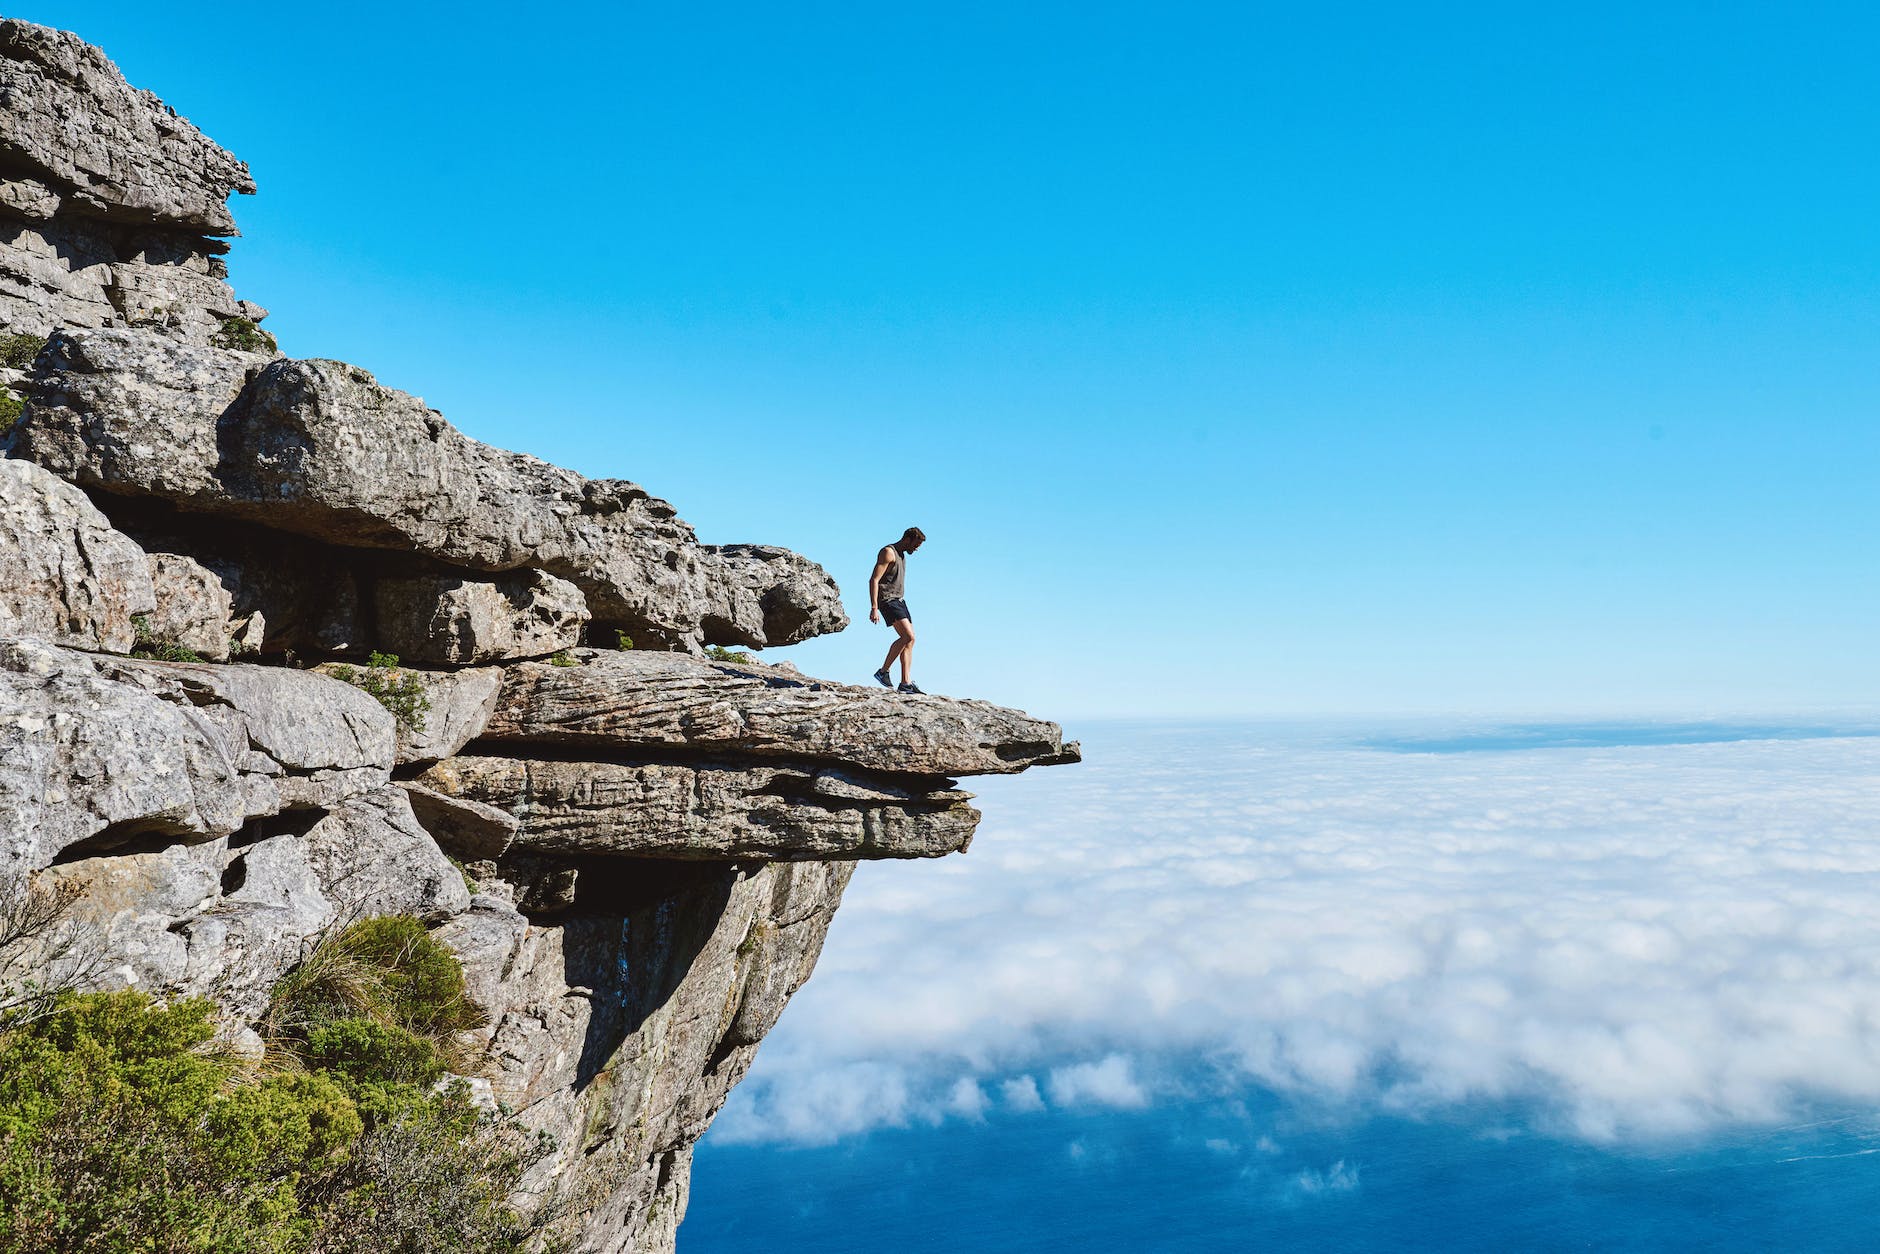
[18,351]
[622,640]
[402,693]
[564,658]
[11,407]
[718,653]
[118,1128]
[243,335]
[148,646]
[124,1129]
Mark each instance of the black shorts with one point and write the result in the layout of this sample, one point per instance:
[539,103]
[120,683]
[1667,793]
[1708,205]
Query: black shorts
[894,610]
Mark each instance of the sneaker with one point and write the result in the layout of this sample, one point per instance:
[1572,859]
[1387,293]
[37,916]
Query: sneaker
[911,688]
[881,677]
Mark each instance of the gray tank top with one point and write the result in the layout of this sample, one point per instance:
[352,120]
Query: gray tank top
[893,585]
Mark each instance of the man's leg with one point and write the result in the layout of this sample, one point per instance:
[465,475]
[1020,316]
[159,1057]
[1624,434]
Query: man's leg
[904,628]
[894,650]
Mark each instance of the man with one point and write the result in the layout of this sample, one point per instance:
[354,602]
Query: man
[887,598]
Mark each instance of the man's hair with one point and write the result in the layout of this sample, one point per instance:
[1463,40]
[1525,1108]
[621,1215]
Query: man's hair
[911,535]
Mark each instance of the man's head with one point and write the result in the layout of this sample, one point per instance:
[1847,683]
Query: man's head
[911,539]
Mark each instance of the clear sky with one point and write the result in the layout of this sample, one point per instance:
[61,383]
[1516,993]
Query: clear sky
[1237,359]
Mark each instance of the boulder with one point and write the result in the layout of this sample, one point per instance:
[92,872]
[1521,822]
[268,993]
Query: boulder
[760,595]
[466,829]
[623,702]
[702,811]
[66,576]
[321,449]
[194,610]
[84,758]
[101,753]
[456,620]
[461,703]
[112,151]
[228,918]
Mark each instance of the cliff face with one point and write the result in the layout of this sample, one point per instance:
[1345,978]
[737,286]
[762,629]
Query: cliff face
[648,844]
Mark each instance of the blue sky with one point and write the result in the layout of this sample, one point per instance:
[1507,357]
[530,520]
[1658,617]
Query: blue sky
[1238,359]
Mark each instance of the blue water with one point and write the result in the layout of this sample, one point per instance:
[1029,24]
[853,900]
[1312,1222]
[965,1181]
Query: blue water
[1151,1180]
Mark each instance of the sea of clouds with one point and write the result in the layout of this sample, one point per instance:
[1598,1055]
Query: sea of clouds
[1637,941]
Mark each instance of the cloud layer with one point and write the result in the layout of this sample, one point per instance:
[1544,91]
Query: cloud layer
[1644,940]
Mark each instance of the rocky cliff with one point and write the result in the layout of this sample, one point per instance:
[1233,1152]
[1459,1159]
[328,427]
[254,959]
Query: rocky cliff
[635,852]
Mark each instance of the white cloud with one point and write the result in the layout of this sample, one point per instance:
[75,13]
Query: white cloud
[1337,1178]
[1643,940]
[1021,1094]
[1109,1082]
[967,1100]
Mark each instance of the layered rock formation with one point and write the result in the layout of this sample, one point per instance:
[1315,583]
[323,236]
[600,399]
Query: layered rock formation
[637,854]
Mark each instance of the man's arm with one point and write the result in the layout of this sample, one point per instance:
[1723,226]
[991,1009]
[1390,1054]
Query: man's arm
[874,584]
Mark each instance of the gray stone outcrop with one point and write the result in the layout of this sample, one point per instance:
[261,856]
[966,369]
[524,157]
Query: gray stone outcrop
[706,812]
[454,620]
[669,701]
[322,449]
[107,198]
[66,575]
[635,853]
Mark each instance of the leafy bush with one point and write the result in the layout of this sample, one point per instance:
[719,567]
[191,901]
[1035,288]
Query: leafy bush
[622,640]
[243,335]
[718,653]
[18,351]
[401,693]
[124,1129]
[148,646]
[564,658]
[11,407]
[118,1128]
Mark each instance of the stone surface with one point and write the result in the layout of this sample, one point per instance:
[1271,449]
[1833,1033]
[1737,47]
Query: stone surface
[459,621]
[194,610]
[465,828]
[627,1023]
[674,810]
[279,594]
[227,920]
[68,117]
[105,199]
[100,753]
[323,450]
[635,700]
[66,576]
[759,595]
[84,758]
[461,705]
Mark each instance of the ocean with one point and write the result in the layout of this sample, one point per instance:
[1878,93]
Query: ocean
[1541,986]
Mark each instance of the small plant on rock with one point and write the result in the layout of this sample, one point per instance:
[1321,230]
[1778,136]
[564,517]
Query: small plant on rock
[398,691]
[564,658]
[622,640]
[11,407]
[718,653]
[149,647]
[18,351]
[242,335]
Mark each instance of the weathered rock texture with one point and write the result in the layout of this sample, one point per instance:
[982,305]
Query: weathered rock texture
[107,198]
[323,450]
[65,574]
[650,845]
